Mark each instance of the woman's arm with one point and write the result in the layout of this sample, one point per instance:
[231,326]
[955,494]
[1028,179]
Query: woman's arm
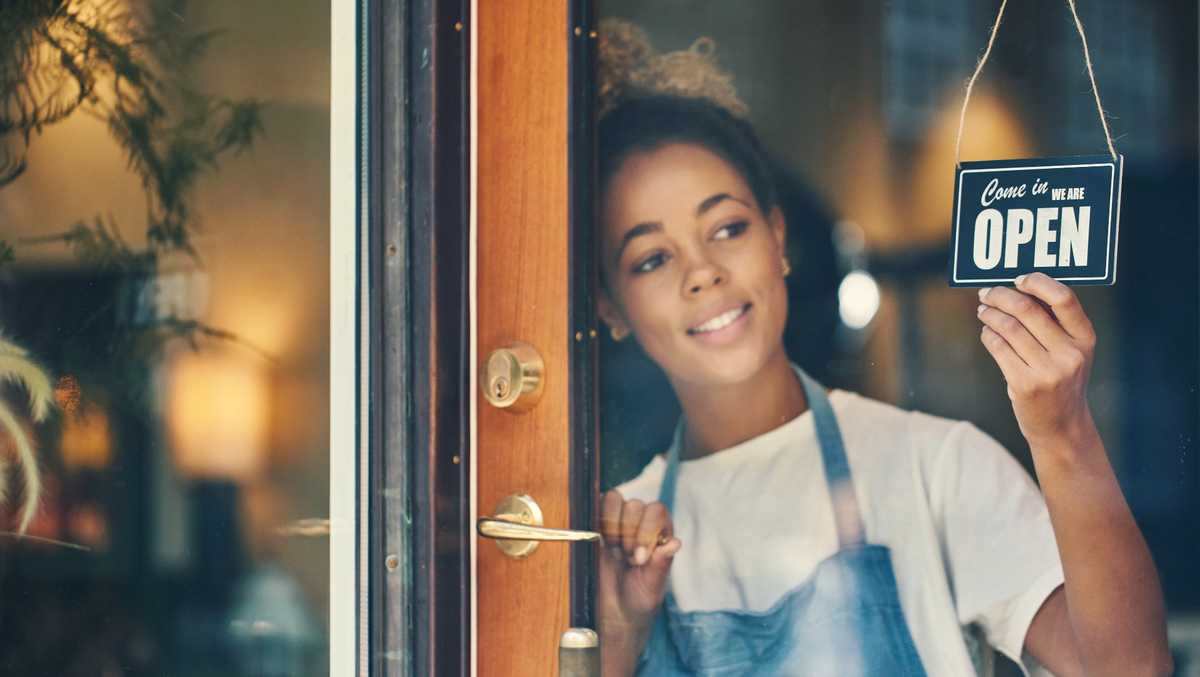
[1108,618]
[1111,603]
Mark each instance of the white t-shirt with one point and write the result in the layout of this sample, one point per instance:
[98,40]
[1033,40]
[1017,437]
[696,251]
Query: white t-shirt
[968,530]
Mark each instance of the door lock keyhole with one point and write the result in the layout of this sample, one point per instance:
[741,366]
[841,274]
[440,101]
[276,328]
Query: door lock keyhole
[512,377]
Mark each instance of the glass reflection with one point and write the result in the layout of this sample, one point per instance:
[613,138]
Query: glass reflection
[164,341]
[857,107]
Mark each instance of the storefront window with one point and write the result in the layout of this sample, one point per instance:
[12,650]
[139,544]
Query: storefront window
[165,338]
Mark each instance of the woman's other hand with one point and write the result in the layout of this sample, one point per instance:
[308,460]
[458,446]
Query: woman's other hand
[1044,344]
[639,546]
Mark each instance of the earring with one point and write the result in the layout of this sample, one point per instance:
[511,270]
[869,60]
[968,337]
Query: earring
[618,333]
[787,266]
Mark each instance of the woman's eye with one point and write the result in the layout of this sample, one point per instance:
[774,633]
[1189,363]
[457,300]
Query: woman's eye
[731,230]
[650,263]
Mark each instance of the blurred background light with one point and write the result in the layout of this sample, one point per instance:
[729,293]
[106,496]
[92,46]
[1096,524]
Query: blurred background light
[217,413]
[858,299]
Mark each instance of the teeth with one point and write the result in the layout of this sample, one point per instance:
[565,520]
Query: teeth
[720,322]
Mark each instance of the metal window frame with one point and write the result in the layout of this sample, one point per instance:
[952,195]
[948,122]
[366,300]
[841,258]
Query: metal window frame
[418,161]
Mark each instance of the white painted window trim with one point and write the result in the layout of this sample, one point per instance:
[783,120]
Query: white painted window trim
[346,612]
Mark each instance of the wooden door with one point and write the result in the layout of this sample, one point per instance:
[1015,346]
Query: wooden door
[524,287]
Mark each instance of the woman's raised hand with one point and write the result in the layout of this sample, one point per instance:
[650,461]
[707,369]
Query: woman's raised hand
[1044,344]
[639,546]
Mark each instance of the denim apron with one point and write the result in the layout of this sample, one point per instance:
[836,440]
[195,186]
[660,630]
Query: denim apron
[845,620]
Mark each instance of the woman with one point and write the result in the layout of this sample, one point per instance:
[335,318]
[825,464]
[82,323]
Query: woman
[792,531]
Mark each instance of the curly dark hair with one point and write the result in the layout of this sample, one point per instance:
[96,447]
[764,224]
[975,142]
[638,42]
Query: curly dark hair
[647,123]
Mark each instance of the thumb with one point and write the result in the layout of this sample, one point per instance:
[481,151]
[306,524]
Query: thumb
[646,586]
[660,560]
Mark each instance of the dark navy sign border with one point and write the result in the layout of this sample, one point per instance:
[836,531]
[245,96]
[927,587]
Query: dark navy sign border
[1116,175]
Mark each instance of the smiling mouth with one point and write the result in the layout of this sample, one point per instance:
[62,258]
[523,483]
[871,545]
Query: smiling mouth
[719,322]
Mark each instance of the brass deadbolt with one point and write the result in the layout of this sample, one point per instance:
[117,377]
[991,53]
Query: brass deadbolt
[511,378]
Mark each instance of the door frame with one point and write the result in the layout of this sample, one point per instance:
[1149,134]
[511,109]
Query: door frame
[418,169]
[584,280]
[419,166]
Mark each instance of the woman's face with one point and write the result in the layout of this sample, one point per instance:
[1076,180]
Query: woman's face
[694,267]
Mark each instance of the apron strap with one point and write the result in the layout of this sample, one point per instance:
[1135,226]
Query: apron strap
[666,493]
[837,469]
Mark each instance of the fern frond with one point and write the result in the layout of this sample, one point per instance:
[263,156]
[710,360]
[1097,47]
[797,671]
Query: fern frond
[11,167]
[16,367]
[30,473]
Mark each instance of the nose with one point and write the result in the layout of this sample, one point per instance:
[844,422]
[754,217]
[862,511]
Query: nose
[702,275]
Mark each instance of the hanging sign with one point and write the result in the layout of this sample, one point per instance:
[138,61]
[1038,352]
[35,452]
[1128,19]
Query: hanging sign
[1058,216]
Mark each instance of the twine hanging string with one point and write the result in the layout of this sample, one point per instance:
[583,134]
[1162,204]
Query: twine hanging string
[962,116]
[1087,57]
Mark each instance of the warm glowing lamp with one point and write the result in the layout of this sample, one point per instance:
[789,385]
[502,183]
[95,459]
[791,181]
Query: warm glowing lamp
[217,418]
[217,412]
[86,441]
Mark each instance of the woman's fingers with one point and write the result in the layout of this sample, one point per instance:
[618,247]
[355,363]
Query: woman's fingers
[1014,333]
[1011,365]
[631,519]
[663,555]
[1063,303]
[1027,310]
[1044,325]
[655,527]
[634,531]
[611,505]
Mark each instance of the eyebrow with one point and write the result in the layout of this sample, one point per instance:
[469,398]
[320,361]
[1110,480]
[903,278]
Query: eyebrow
[638,230]
[648,227]
[715,200]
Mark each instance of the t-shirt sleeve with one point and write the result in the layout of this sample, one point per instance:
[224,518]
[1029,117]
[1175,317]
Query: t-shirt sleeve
[995,536]
[645,487]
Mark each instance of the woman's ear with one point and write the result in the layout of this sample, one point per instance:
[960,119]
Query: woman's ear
[778,226]
[610,314]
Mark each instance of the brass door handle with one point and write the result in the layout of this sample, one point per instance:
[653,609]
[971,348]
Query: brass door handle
[503,529]
[517,528]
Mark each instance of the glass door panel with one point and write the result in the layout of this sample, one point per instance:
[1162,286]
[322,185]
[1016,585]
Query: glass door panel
[165,339]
